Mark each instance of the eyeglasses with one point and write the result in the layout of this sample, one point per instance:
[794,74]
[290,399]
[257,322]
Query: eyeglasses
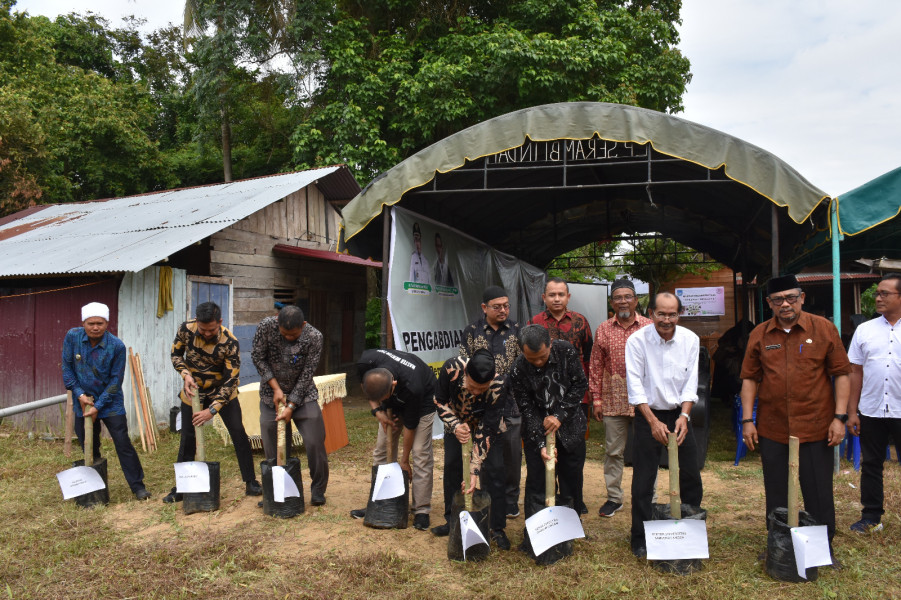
[790,298]
[499,307]
[667,316]
[881,294]
[628,298]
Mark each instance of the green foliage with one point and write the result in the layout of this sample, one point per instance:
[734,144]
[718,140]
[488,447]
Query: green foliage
[587,264]
[398,75]
[868,301]
[657,260]
[373,323]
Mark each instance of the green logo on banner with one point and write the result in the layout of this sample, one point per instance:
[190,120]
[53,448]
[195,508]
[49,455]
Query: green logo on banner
[414,287]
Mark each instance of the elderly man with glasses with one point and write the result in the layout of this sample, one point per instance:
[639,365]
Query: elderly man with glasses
[789,366]
[499,334]
[607,384]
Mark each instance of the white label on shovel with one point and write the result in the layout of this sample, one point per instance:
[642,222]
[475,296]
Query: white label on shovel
[674,539]
[811,545]
[389,482]
[553,525]
[192,477]
[79,481]
[178,421]
[282,485]
[470,532]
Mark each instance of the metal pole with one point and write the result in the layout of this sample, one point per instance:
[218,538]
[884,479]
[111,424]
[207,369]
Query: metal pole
[836,294]
[386,249]
[20,408]
[774,220]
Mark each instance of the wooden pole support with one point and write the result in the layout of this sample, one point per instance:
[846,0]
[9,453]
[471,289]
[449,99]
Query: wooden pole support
[550,481]
[793,484]
[134,395]
[88,441]
[198,431]
[70,425]
[467,452]
[675,502]
[392,451]
[282,443]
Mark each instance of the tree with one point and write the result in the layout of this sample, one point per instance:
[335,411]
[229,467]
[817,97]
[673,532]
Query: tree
[68,133]
[657,260]
[398,75]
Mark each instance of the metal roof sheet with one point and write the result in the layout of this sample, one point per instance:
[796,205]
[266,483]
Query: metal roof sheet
[134,232]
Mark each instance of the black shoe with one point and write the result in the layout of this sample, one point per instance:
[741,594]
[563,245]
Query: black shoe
[253,488]
[142,494]
[500,539]
[583,510]
[358,513]
[421,521]
[609,509]
[441,530]
[512,513]
[317,499]
[640,551]
[172,496]
[260,504]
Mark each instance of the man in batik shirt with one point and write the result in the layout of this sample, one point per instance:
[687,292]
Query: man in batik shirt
[569,326]
[207,357]
[548,383]
[469,403]
[497,333]
[607,384]
[286,351]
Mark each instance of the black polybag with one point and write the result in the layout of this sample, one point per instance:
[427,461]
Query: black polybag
[780,551]
[292,506]
[533,503]
[480,513]
[97,497]
[678,566]
[392,513]
[204,501]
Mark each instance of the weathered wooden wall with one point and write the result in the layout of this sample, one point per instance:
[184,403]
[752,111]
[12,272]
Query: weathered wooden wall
[151,337]
[332,294]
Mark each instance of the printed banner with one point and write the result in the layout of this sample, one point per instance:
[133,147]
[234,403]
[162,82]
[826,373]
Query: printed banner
[436,281]
[79,481]
[703,301]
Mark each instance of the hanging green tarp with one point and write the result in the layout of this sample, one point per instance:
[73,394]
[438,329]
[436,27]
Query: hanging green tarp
[871,204]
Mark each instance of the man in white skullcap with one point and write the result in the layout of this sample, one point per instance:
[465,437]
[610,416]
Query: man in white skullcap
[93,370]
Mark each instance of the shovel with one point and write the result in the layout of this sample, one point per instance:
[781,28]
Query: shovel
[478,505]
[391,513]
[293,505]
[202,501]
[100,496]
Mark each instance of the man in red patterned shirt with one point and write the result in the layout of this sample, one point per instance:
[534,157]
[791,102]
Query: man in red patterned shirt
[569,326]
[607,386]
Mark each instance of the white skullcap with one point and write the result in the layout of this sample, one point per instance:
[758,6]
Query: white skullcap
[94,309]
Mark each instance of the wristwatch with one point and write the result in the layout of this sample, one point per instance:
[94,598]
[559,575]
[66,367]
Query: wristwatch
[843,417]
[686,415]
[213,410]
[376,409]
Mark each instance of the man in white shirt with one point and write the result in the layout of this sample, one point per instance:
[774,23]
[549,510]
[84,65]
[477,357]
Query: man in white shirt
[662,379]
[874,406]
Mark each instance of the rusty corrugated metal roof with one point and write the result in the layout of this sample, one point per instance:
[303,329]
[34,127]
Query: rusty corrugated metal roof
[134,232]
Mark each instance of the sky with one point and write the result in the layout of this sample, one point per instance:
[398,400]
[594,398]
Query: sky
[815,82]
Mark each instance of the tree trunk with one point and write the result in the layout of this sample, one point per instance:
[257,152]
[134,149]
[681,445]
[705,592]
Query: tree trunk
[226,146]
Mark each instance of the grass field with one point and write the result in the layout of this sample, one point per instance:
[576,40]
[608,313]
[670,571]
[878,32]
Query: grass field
[54,549]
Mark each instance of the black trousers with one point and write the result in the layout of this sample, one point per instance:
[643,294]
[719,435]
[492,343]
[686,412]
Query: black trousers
[815,463]
[492,479]
[231,417]
[645,463]
[875,434]
[570,463]
[117,427]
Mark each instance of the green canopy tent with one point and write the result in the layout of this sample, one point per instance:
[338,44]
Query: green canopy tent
[541,181]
